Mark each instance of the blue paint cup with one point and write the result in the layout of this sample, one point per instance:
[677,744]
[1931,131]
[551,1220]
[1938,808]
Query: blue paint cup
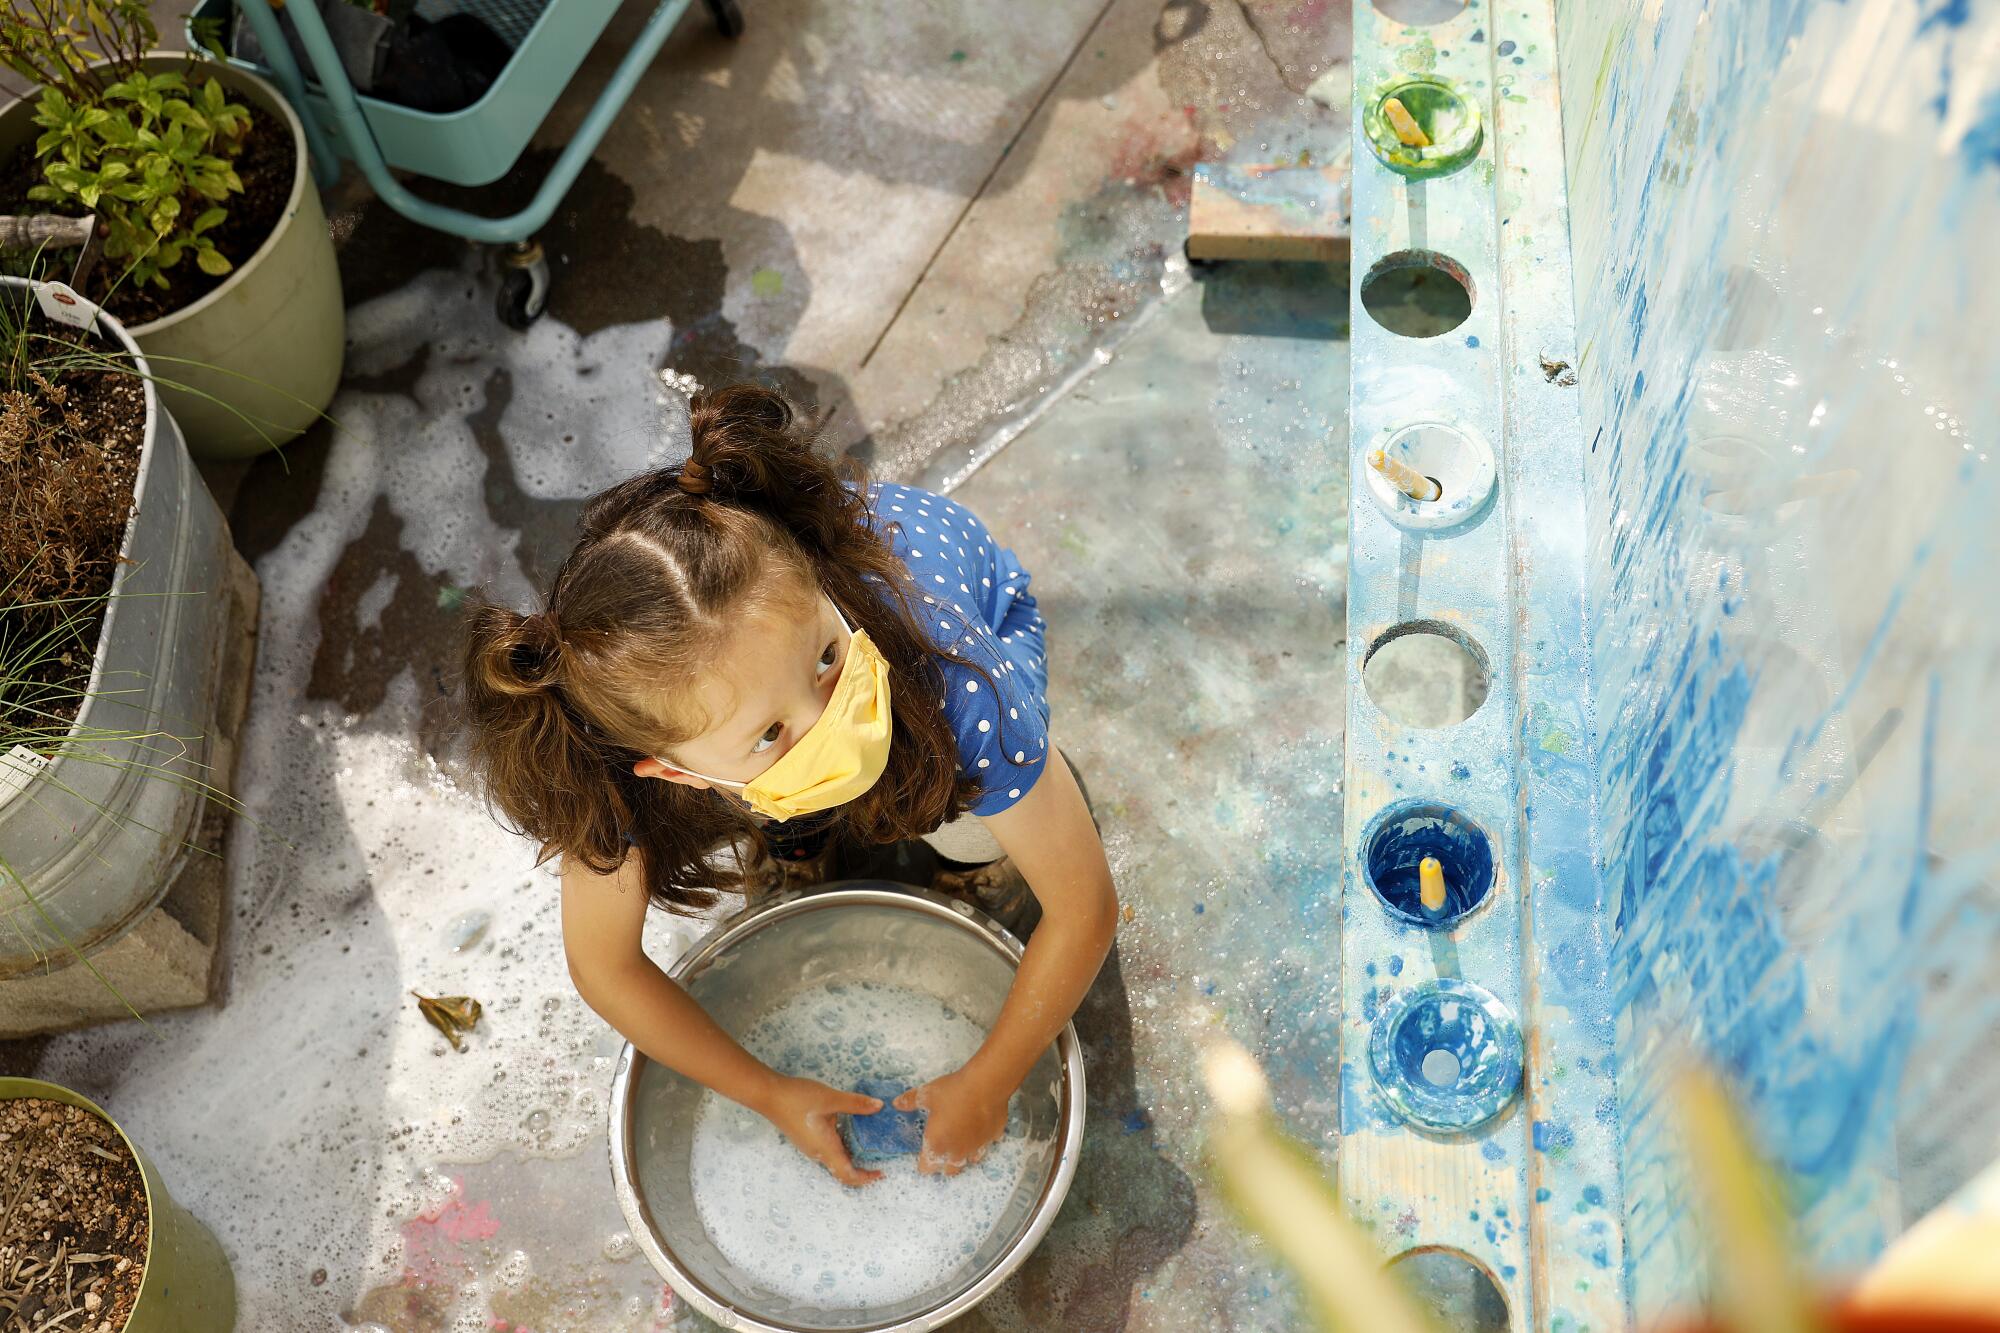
[1394,845]
[1447,1056]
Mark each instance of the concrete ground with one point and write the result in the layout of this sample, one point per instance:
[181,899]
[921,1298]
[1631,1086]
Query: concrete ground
[946,231]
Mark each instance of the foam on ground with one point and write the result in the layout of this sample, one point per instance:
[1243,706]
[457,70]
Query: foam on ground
[313,1117]
[786,1222]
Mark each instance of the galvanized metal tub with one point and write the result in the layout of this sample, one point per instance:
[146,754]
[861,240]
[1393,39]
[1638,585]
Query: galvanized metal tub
[95,835]
[752,963]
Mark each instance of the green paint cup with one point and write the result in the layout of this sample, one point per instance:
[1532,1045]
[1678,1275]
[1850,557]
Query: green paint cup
[1447,117]
[188,1284]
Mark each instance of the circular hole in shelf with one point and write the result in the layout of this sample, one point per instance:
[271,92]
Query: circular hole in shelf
[1454,1288]
[1424,673]
[1417,293]
[1453,458]
[1441,1068]
[1438,1021]
[1419,13]
[1395,844]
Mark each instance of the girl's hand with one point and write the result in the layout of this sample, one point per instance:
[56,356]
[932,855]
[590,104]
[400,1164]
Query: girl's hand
[804,1111]
[966,1115]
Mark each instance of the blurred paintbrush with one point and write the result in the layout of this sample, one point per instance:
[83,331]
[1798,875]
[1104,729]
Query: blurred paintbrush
[1277,1190]
[1758,1285]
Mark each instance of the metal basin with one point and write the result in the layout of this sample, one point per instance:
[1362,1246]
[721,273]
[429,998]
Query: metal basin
[751,964]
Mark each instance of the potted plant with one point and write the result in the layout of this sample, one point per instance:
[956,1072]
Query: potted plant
[214,249]
[116,579]
[90,1240]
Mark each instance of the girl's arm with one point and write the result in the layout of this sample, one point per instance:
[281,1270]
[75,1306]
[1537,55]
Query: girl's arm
[1054,844]
[603,923]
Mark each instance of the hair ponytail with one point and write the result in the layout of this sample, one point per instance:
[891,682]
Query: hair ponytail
[517,654]
[562,704]
[747,448]
[545,767]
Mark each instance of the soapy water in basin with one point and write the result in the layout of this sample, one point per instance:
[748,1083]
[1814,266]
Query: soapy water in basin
[787,1223]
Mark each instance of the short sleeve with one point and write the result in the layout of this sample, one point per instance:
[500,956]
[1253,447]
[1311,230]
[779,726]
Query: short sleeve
[1000,720]
[973,600]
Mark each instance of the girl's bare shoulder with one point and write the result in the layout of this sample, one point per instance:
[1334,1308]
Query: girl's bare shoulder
[601,897]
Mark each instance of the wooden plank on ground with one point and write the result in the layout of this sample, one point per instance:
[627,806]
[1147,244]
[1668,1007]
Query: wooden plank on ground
[1272,212]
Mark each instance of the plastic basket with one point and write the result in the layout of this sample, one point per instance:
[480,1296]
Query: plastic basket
[476,145]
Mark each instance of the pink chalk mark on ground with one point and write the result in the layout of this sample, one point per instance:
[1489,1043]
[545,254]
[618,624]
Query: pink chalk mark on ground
[435,1245]
[435,1240]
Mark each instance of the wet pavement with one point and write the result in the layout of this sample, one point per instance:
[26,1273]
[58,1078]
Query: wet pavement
[1185,514]
[945,239]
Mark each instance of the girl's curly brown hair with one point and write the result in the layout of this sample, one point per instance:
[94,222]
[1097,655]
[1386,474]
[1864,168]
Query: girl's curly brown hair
[563,702]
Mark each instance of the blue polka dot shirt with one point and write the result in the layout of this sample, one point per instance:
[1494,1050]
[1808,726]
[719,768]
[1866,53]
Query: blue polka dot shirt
[974,600]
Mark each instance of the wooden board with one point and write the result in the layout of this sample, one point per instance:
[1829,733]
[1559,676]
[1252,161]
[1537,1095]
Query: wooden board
[1270,212]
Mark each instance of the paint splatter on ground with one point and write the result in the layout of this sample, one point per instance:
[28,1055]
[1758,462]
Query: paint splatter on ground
[1197,680]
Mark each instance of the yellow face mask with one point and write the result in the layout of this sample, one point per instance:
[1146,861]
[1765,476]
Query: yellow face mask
[841,755]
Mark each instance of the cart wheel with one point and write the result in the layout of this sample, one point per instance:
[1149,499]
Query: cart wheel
[728,17]
[524,286]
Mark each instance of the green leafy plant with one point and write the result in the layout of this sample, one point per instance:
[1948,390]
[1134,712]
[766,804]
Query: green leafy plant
[151,154]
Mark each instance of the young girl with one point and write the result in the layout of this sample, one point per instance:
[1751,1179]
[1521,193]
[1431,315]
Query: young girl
[747,645]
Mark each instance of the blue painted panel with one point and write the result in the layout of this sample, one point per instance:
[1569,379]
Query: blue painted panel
[1783,216]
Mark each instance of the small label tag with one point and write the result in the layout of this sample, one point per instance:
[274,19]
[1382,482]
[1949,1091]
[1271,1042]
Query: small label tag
[64,306]
[19,767]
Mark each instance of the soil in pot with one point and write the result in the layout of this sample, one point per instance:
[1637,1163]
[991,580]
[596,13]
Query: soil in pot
[266,166]
[70,436]
[74,1228]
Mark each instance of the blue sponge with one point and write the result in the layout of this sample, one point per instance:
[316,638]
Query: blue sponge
[885,1134]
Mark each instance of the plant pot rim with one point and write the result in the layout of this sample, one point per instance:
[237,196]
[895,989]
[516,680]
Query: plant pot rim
[273,101]
[14,1088]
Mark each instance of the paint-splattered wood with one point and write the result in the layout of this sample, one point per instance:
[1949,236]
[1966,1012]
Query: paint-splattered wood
[1461,284]
[1274,212]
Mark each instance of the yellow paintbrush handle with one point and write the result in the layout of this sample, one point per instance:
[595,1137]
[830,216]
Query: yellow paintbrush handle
[1276,1187]
[1405,124]
[1430,884]
[1404,478]
[1754,1270]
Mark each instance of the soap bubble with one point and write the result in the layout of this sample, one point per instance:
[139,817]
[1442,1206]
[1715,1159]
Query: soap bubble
[834,1247]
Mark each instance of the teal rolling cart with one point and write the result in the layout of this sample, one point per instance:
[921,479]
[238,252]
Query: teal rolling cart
[476,145]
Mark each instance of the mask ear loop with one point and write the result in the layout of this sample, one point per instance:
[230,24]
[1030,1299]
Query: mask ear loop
[690,773]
